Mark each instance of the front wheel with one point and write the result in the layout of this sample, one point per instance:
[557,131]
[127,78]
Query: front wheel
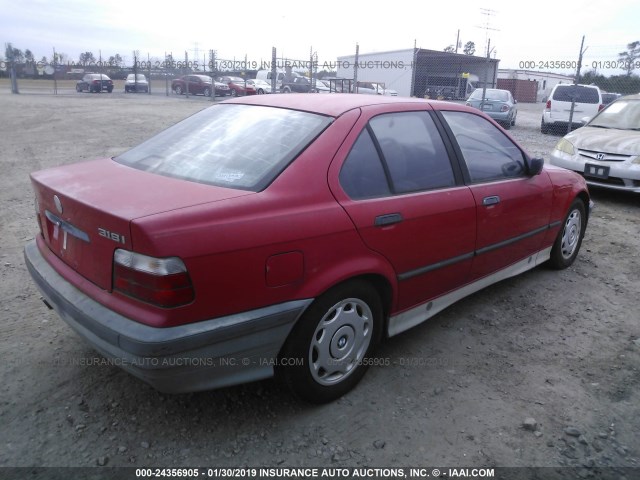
[327,352]
[567,244]
[206,92]
[178,90]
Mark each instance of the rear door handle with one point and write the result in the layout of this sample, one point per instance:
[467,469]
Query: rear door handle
[388,219]
[486,201]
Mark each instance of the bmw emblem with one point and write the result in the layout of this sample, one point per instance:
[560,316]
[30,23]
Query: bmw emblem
[58,203]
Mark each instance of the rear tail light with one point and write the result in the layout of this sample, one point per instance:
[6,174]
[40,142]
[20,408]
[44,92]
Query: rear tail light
[548,105]
[163,282]
[600,107]
[504,108]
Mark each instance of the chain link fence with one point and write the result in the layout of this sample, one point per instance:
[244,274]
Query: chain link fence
[413,72]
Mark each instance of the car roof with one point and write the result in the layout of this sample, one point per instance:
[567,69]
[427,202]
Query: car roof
[335,104]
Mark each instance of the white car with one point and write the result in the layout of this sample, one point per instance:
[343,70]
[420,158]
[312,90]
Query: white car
[261,87]
[373,88]
[555,117]
[136,83]
[606,151]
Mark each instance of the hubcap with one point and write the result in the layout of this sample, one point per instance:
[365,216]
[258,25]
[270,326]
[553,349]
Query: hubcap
[340,341]
[571,234]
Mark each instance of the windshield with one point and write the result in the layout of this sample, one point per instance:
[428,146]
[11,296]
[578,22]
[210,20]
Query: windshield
[235,146]
[622,114]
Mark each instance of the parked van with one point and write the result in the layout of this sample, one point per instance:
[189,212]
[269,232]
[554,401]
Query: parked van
[588,102]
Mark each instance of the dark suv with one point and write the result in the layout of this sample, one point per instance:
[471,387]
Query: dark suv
[95,82]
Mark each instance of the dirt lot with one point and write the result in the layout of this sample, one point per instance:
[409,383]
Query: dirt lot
[562,348]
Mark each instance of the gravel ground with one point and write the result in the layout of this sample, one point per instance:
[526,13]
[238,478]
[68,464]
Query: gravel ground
[539,370]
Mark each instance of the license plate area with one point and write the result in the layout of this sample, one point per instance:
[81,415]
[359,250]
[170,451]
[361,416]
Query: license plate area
[596,171]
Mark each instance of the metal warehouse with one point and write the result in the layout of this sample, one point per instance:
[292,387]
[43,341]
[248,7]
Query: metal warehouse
[420,72]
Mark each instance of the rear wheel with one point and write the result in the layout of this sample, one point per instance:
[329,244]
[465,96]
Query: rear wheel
[78,88]
[207,92]
[260,91]
[567,244]
[327,352]
[178,90]
[543,127]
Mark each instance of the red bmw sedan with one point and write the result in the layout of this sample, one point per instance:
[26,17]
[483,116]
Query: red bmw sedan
[287,235]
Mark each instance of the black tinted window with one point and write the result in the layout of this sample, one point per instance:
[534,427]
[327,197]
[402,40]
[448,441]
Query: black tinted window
[581,94]
[488,153]
[413,151]
[362,175]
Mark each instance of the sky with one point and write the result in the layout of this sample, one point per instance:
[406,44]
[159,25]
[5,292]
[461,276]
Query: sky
[538,32]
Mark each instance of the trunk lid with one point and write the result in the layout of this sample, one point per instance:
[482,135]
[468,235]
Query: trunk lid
[86,210]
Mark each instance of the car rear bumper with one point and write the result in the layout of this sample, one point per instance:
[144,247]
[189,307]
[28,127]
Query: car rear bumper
[214,353]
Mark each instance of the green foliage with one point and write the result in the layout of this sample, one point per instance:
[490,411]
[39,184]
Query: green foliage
[630,57]
[469,48]
[624,84]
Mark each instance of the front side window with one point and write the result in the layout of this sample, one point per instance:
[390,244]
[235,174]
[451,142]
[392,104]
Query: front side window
[235,146]
[488,153]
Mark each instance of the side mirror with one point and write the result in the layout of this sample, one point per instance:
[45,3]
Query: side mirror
[535,166]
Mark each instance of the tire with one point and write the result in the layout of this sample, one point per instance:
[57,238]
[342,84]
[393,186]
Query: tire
[286,90]
[507,125]
[234,93]
[513,121]
[326,353]
[178,90]
[260,91]
[567,245]
[78,89]
[207,92]
[109,90]
[543,127]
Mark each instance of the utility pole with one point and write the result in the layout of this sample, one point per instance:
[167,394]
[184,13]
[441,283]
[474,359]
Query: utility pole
[355,70]
[575,85]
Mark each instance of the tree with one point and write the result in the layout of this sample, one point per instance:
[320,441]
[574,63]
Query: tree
[28,56]
[630,57]
[44,60]
[450,49]
[469,48]
[87,57]
[115,60]
[13,54]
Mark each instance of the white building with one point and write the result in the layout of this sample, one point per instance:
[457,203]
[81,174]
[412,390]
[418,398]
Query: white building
[546,80]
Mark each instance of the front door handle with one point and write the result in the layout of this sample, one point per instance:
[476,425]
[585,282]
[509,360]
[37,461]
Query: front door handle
[388,219]
[486,201]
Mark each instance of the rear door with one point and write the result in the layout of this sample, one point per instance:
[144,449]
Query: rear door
[395,179]
[513,208]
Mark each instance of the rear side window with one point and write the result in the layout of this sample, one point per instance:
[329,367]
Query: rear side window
[413,151]
[235,146]
[362,175]
[413,157]
[488,154]
[580,93]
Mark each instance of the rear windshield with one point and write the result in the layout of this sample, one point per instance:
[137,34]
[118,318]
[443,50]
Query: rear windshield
[235,146]
[580,93]
[499,95]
